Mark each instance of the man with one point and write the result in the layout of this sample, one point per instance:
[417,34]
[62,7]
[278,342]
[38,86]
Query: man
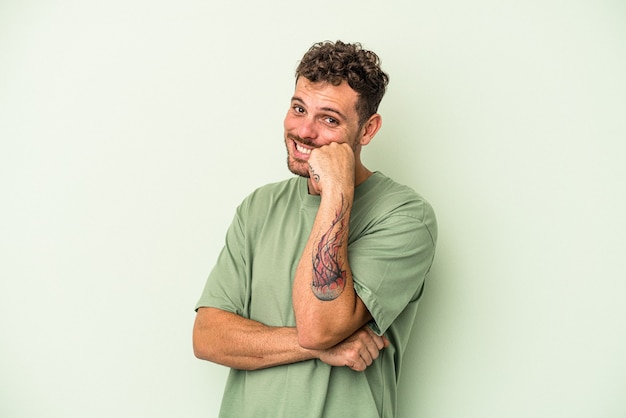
[315,292]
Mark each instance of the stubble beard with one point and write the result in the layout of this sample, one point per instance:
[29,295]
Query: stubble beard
[295,166]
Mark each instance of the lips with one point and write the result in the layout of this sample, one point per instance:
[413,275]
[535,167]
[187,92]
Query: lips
[301,149]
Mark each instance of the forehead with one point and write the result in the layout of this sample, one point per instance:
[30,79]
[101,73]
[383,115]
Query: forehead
[323,95]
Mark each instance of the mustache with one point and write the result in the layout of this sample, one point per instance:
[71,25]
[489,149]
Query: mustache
[300,140]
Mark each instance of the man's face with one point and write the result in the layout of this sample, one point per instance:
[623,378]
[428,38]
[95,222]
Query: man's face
[320,113]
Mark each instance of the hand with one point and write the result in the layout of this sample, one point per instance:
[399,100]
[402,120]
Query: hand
[357,351]
[332,166]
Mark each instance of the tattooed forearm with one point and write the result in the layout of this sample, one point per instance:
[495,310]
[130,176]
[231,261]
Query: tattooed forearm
[329,276]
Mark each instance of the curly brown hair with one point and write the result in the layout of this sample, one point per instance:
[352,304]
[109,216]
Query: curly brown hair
[334,62]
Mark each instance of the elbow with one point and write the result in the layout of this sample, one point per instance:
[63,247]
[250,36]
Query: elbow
[204,347]
[201,355]
[316,339]
[203,350]
[199,350]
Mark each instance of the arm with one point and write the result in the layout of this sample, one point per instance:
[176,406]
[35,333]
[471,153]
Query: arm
[231,340]
[326,306]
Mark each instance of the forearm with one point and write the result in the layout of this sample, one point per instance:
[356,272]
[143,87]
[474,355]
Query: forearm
[233,341]
[326,306]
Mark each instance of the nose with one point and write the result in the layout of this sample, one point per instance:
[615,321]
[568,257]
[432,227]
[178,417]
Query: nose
[307,128]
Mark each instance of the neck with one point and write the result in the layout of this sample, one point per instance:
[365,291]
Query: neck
[361,175]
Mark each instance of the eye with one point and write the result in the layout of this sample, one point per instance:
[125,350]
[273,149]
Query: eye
[298,109]
[331,121]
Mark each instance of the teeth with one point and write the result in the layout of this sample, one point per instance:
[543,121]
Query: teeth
[303,150]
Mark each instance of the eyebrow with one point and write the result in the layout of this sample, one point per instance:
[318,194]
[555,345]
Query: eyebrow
[325,109]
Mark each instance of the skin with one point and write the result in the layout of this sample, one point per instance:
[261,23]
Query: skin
[324,141]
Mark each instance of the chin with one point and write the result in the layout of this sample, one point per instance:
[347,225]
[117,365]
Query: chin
[298,167]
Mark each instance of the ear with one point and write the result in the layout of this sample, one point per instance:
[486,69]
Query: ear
[370,128]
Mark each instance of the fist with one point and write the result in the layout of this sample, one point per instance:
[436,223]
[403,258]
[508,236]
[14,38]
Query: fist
[332,167]
[357,351]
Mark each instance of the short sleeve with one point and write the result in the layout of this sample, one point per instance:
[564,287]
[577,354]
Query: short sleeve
[227,286]
[392,260]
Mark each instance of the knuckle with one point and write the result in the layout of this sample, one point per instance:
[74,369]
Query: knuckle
[364,333]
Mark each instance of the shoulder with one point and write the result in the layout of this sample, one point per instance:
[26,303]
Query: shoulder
[387,197]
[269,195]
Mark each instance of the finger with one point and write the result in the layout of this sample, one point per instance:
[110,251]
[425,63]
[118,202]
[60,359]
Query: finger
[368,356]
[386,341]
[359,365]
[380,341]
[370,348]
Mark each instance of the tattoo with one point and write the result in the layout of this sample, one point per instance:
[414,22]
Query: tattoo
[315,176]
[329,278]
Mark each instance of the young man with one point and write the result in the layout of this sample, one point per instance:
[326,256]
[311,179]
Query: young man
[315,292]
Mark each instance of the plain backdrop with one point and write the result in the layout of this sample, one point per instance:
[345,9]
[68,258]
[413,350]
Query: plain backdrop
[130,130]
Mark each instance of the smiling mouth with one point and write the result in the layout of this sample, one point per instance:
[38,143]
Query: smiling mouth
[301,149]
